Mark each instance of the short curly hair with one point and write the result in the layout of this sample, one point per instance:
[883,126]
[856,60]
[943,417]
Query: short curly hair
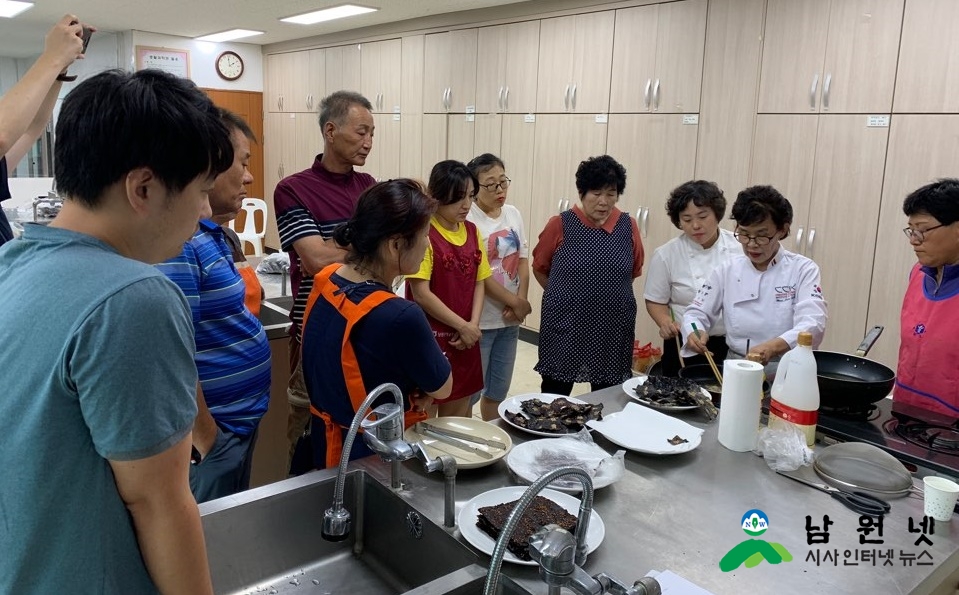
[755,203]
[699,192]
[597,173]
[939,199]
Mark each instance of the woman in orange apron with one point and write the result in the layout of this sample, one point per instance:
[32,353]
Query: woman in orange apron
[357,333]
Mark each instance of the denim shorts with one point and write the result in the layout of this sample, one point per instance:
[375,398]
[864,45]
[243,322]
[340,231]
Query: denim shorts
[498,350]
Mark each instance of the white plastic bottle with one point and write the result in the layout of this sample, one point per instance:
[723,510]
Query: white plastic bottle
[795,391]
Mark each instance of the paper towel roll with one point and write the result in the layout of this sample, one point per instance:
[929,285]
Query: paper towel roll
[741,404]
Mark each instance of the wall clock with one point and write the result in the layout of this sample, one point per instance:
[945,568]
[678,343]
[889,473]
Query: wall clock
[229,65]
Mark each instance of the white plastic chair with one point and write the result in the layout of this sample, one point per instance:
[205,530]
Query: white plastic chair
[254,227]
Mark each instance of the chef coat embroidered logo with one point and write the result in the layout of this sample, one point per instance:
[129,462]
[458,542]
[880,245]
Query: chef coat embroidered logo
[753,551]
[919,330]
[817,292]
[785,293]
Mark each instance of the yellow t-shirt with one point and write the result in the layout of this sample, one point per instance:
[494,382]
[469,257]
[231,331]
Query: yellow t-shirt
[457,238]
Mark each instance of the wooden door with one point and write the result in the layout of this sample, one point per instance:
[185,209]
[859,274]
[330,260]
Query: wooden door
[784,157]
[462,76]
[381,74]
[928,77]
[793,50]
[438,62]
[316,80]
[555,72]
[249,106]
[680,43]
[522,51]
[412,68]
[592,62]
[279,143]
[491,52]
[922,148]
[664,159]
[343,68]
[298,97]
[280,74]
[562,142]
[634,59]
[843,218]
[859,71]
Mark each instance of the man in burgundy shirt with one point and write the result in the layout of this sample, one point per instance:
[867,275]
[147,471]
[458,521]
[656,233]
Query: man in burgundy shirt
[309,205]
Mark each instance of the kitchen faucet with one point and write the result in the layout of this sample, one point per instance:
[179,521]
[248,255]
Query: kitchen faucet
[384,436]
[561,555]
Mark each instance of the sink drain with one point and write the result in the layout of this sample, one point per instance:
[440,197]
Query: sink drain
[415,524]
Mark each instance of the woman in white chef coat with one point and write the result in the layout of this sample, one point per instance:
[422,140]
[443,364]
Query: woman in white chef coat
[679,267]
[768,295]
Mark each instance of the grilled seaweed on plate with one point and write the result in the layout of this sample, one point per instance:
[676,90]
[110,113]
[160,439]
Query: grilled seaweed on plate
[675,392]
[542,511]
[561,416]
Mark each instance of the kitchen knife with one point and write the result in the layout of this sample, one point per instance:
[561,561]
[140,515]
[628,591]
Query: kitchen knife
[426,431]
[464,436]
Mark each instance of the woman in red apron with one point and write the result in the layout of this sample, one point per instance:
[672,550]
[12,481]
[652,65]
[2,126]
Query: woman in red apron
[357,333]
[449,284]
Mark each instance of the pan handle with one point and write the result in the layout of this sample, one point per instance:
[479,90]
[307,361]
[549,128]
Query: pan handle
[869,340]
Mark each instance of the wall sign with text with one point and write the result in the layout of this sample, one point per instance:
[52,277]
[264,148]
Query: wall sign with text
[176,62]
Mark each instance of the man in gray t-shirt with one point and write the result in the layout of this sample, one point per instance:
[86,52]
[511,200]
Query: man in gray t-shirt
[99,393]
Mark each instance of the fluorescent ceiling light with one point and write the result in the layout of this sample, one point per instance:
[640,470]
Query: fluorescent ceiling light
[11,8]
[328,14]
[229,35]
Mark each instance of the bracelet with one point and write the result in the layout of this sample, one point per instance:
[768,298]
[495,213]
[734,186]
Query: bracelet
[66,78]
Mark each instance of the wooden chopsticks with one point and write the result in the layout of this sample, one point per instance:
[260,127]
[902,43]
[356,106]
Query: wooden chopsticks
[709,358]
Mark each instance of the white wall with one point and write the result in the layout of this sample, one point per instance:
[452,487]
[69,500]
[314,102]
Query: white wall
[203,54]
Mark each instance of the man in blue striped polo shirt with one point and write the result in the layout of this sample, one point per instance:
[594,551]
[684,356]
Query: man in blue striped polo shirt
[232,351]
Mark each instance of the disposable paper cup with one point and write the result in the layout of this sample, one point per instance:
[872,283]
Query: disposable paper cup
[939,497]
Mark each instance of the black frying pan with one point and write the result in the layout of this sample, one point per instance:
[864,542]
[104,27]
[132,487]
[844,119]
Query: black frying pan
[852,380]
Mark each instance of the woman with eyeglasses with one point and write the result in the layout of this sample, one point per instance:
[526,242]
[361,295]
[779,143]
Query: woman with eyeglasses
[449,283]
[679,267]
[506,289]
[927,375]
[586,260]
[767,296]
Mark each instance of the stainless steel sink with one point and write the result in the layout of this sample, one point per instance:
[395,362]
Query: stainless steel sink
[268,541]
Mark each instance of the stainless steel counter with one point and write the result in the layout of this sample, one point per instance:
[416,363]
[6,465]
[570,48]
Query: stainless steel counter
[683,513]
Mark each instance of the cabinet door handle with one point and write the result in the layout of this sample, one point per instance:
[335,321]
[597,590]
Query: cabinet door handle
[566,97]
[825,100]
[559,206]
[566,205]
[649,83]
[645,226]
[279,102]
[812,91]
[573,97]
[656,96]
[799,233]
[809,243]
[499,99]
[506,99]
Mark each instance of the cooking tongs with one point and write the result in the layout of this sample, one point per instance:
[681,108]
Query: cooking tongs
[463,435]
[860,502]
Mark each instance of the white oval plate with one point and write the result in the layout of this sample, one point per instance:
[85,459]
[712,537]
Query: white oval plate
[466,520]
[629,387]
[512,404]
[644,430]
[464,425]
[522,461]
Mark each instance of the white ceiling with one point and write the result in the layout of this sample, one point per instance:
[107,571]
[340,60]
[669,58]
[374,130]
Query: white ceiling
[23,36]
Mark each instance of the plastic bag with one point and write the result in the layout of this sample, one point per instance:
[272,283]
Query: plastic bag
[274,263]
[644,356]
[784,448]
[575,450]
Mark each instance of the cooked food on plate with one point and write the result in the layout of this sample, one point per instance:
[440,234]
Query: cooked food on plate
[561,416]
[542,511]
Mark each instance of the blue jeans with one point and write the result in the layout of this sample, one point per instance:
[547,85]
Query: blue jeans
[498,350]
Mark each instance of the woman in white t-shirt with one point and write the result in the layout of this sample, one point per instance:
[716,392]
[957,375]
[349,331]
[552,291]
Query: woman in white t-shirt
[679,267]
[506,304]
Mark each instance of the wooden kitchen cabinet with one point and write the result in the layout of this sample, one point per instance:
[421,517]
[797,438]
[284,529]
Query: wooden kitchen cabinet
[316,80]
[506,60]
[928,77]
[658,58]
[287,85]
[562,142]
[380,72]
[291,142]
[659,153]
[383,162]
[830,56]
[449,78]
[344,68]
[830,168]
[922,148]
[575,58]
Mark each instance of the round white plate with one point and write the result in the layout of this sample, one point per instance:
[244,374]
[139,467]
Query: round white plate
[484,543]
[512,404]
[629,387]
[465,459]
[522,461]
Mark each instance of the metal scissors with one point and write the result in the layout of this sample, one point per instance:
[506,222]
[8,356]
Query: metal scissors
[860,502]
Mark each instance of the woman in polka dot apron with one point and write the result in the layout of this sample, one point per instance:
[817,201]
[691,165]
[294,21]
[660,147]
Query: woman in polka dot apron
[586,260]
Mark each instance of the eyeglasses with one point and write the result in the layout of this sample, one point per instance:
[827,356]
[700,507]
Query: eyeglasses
[919,235]
[745,239]
[494,186]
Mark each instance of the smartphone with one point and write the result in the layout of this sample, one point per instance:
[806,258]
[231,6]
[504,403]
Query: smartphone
[86,35]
